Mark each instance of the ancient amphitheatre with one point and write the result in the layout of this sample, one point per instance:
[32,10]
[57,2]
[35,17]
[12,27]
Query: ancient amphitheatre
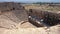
[14,20]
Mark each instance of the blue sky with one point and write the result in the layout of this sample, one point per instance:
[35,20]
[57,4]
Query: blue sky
[30,0]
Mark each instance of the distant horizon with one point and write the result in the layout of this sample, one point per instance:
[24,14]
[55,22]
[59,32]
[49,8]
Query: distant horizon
[31,1]
[35,2]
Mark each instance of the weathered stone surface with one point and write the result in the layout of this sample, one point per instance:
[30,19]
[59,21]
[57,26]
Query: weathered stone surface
[6,6]
[15,21]
[12,16]
[26,31]
[49,18]
[55,30]
[42,30]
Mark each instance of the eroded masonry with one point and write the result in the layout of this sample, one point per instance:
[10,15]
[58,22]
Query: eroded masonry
[12,14]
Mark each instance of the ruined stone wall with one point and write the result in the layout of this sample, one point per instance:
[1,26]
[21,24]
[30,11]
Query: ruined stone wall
[9,6]
[12,14]
[49,18]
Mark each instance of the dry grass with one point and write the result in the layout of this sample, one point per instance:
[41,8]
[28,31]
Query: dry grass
[42,7]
